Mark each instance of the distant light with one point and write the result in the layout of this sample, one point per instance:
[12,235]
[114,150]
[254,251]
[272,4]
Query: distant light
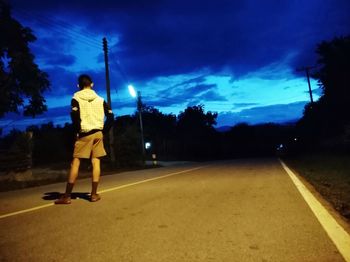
[280,147]
[147,145]
[132,91]
[295,139]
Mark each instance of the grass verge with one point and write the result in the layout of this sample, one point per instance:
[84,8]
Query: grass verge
[329,174]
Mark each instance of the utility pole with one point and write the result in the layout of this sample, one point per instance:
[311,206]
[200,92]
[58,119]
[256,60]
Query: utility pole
[109,101]
[307,71]
[139,108]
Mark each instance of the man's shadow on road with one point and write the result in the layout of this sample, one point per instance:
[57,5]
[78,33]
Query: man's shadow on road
[56,195]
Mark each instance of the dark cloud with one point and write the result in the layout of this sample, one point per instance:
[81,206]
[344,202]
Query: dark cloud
[61,60]
[62,81]
[61,111]
[173,37]
[189,92]
[86,5]
[211,95]
[55,43]
[202,88]
[59,116]
[257,115]
[244,104]
[164,102]
[196,80]
[241,38]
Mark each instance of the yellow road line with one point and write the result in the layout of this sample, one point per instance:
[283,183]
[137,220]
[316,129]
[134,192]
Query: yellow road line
[148,180]
[336,232]
[102,191]
[26,210]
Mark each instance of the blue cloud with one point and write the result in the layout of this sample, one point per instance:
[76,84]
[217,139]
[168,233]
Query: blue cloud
[61,60]
[257,115]
[211,95]
[244,104]
[176,37]
[197,81]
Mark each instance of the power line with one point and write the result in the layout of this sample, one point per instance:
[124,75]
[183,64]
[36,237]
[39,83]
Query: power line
[65,31]
[58,24]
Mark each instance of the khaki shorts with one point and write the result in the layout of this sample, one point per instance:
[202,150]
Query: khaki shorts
[89,146]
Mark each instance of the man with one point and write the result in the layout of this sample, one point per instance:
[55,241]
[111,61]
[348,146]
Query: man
[88,114]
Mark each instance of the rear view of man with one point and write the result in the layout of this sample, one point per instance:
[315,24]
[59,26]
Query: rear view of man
[88,113]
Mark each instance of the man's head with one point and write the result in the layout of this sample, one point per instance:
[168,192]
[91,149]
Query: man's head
[84,81]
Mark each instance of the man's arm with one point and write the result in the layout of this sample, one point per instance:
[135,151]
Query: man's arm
[110,117]
[75,116]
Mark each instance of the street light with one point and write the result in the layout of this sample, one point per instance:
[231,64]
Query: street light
[139,108]
[132,91]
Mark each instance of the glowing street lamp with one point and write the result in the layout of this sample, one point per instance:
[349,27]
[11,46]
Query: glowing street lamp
[148,145]
[132,91]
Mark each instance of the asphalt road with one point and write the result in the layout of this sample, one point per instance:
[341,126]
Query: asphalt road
[241,210]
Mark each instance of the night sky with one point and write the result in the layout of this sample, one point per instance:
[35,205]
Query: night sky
[238,58]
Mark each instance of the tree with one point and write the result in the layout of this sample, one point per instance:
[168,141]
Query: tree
[329,116]
[334,76]
[193,120]
[22,83]
[159,129]
[157,124]
[127,147]
[196,133]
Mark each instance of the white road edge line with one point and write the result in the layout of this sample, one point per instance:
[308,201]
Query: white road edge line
[336,232]
[102,191]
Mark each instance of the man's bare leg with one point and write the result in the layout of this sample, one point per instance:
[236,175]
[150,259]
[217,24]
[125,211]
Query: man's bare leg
[73,174]
[96,169]
[96,172]
[74,170]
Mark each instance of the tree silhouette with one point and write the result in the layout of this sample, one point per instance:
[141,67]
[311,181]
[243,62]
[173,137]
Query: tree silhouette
[127,143]
[159,129]
[196,132]
[193,119]
[22,83]
[334,76]
[329,116]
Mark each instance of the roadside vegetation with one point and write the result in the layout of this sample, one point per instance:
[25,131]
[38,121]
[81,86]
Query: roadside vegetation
[329,174]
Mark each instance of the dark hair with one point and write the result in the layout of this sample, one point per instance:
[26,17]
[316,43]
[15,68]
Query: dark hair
[84,81]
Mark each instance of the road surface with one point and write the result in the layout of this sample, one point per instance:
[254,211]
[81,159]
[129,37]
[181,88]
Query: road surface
[240,210]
